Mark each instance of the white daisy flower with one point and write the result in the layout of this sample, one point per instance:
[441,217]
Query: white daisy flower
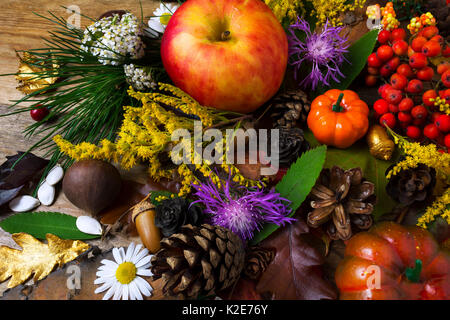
[161,17]
[121,277]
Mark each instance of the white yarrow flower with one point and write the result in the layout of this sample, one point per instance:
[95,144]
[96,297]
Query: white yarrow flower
[161,17]
[122,277]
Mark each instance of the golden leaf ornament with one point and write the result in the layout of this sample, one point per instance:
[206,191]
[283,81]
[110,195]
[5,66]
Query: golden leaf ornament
[36,257]
[380,145]
[33,76]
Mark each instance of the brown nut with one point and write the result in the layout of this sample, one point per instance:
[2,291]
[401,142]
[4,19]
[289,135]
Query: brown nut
[145,225]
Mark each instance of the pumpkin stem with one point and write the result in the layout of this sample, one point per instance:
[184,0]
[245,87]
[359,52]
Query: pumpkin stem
[337,106]
[413,274]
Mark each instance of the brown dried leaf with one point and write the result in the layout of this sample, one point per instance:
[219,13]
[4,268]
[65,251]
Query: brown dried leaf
[296,272]
[36,257]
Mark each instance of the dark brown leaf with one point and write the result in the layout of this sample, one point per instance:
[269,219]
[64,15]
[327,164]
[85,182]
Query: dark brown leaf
[296,272]
[13,179]
[244,289]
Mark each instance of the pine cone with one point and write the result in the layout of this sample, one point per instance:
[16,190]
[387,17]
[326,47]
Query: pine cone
[290,108]
[441,11]
[411,185]
[198,261]
[292,144]
[257,260]
[342,202]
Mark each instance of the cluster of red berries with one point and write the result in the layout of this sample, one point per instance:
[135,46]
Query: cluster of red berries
[408,99]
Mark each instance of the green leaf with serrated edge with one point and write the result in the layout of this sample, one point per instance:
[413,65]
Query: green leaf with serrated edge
[374,170]
[357,58]
[297,184]
[38,224]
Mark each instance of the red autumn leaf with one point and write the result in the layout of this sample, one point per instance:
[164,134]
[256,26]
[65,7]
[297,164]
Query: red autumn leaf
[296,272]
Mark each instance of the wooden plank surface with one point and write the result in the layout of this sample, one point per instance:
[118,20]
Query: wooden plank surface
[21,29]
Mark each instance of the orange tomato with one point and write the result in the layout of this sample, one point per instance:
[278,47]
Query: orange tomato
[338,118]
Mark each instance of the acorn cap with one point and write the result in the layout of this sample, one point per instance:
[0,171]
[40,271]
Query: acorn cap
[141,207]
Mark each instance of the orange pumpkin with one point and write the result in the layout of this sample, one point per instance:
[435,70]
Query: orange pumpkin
[392,262]
[338,118]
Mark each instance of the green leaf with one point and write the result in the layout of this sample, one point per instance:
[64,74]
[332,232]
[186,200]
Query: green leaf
[297,184]
[357,56]
[374,170]
[38,224]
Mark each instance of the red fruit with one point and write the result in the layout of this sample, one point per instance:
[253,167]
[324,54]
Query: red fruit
[394,63]
[445,78]
[39,113]
[400,47]
[425,74]
[388,119]
[414,86]
[373,71]
[427,95]
[398,34]
[445,94]
[384,36]
[443,123]
[404,117]
[441,68]
[418,60]
[382,89]
[385,52]
[381,106]
[386,70]
[447,141]
[373,61]
[394,96]
[398,81]
[431,48]
[438,38]
[446,51]
[431,131]
[371,80]
[406,104]
[405,70]
[393,108]
[419,112]
[430,31]
[418,43]
[413,132]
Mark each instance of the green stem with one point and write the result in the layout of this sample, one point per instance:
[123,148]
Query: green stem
[413,274]
[337,106]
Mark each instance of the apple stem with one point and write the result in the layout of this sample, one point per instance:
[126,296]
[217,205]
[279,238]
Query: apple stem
[225,35]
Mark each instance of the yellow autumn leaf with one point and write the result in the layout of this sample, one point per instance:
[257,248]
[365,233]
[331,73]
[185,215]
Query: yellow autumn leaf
[36,257]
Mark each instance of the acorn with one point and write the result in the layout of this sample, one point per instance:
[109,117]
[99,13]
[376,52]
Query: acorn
[143,217]
[92,185]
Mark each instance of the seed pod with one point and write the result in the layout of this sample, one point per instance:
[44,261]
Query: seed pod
[23,203]
[380,145]
[46,193]
[144,218]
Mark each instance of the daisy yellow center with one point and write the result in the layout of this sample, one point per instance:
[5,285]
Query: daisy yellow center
[164,19]
[126,272]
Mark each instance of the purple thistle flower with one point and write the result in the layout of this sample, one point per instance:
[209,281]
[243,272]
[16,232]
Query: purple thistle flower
[324,50]
[242,210]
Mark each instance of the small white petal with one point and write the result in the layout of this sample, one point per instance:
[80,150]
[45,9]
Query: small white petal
[111,291]
[139,256]
[89,225]
[118,292]
[136,290]
[144,272]
[117,256]
[102,288]
[122,253]
[125,292]
[130,252]
[143,261]
[137,249]
[109,263]
[106,274]
[143,286]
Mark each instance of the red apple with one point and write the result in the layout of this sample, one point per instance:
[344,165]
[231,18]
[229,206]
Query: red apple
[226,54]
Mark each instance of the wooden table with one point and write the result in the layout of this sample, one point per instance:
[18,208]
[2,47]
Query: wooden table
[21,29]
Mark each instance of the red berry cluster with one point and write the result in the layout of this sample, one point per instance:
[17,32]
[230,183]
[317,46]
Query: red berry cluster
[408,101]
